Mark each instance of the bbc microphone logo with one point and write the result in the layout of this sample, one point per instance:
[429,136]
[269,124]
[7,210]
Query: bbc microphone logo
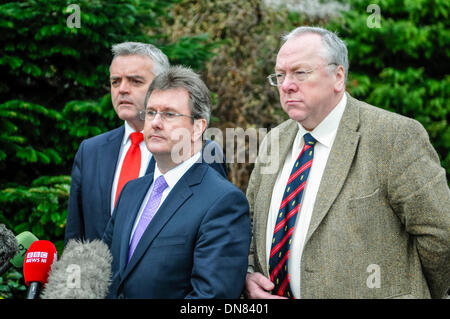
[37,257]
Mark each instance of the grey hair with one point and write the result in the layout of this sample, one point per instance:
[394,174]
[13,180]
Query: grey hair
[182,77]
[160,60]
[335,49]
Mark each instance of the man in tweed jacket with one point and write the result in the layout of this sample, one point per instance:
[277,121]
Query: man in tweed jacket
[374,221]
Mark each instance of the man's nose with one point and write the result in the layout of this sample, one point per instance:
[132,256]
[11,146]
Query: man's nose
[288,84]
[124,87]
[157,121]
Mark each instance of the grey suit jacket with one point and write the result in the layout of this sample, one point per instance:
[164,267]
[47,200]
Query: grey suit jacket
[381,221]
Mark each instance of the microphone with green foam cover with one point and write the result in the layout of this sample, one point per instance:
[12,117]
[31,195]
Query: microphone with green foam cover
[25,239]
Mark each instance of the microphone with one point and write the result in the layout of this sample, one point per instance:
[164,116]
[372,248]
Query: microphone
[83,272]
[8,248]
[24,240]
[38,260]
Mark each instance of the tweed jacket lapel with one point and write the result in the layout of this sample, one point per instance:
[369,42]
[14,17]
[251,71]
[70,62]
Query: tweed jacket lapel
[278,148]
[338,164]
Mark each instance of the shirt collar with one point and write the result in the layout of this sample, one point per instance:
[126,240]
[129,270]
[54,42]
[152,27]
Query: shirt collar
[174,175]
[128,131]
[326,131]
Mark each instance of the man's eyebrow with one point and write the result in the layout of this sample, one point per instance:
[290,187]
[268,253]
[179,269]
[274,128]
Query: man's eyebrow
[139,77]
[162,107]
[294,67]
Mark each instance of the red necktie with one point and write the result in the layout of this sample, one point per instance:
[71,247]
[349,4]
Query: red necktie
[131,164]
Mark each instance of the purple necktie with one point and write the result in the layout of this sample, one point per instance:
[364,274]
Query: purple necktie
[148,213]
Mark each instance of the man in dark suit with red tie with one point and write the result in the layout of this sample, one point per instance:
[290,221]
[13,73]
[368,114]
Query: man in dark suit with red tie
[105,163]
[182,231]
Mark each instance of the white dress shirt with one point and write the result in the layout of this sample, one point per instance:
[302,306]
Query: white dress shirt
[145,158]
[172,177]
[324,134]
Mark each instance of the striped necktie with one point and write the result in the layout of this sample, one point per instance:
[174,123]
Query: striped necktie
[287,214]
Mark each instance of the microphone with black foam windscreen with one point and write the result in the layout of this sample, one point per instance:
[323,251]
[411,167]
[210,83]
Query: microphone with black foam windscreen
[83,272]
[8,248]
[24,240]
[38,261]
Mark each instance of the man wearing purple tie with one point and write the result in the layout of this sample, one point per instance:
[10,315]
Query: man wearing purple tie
[182,231]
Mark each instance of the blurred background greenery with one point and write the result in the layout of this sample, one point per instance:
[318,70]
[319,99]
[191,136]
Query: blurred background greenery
[54,88]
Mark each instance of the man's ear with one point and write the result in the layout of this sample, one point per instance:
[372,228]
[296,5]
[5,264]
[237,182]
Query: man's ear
[339,84]
[199,128]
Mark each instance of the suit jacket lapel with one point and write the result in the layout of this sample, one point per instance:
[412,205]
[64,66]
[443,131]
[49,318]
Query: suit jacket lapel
[177,196]
[338,164]
[109,150]
[151,166]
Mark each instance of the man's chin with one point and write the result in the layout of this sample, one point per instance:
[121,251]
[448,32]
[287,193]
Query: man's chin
[158,151]
[297,116]
[128,114]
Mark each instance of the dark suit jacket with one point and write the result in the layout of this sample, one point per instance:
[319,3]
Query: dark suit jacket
[93,170]
[196,246]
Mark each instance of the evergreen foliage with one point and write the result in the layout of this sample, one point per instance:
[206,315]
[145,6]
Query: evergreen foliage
[403,66]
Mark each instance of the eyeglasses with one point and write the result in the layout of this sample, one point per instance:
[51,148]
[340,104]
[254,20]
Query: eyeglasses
[165,116]
[300,75]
